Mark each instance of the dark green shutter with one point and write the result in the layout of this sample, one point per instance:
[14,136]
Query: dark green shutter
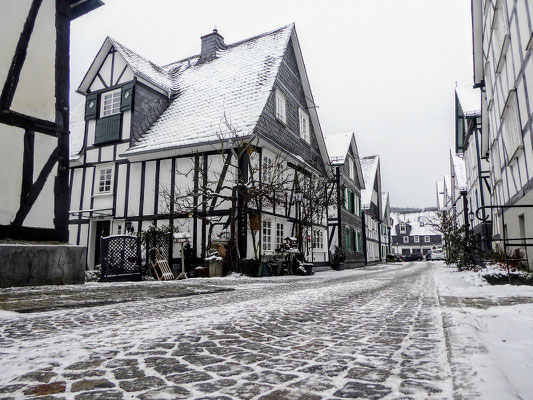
[126,96]
[91,106]
[352,201]
[107,129]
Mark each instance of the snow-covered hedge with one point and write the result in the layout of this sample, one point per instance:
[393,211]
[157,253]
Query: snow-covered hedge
[496,274]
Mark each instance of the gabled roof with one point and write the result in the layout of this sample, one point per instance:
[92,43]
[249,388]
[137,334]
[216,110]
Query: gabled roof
[420,222]
[369,166]
[142,68]
[233,87]
[338,146]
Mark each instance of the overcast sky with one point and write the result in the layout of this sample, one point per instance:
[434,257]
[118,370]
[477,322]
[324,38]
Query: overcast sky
[385,70]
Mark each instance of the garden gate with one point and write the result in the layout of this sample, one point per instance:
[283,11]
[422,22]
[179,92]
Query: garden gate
[121,258]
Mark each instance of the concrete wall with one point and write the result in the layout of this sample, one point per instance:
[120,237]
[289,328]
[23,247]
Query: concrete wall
[30,265]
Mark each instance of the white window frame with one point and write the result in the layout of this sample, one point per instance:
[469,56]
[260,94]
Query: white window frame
[268,167]
[351,168]
[105,180]
[318,239]
[406,239]
[427,239]
[403,228]
[417,239]
[266,235]
[281,106]
[114,104]
[304,126]
[280,233]
[511,127]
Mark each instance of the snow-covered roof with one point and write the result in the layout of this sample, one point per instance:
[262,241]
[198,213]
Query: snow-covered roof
[448,183]
[470,100]
[233,87]
[460,171]
[369,167]
[420,222]
[384,201]
[338,145]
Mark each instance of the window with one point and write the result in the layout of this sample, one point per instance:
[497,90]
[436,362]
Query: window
[511,130]
[267,236]
[417,239]
[351,168]
[110,103]
[406,239]
[426,239]
[346,199]
[403,228]
[318,239]
[267,169]
[104,181]
[281,113]
[348,238]
[304,126]
[280,233]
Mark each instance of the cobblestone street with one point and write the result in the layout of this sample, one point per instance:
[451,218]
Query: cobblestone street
[373,333]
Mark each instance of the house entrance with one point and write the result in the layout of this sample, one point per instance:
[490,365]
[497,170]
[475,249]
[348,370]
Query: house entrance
[103,228]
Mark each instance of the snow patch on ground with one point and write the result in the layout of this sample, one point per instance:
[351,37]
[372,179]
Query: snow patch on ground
[491,341]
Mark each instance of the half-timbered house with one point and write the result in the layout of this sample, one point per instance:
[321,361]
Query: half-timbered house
[345,228]
[503,69]
[34,129]
[413,231]
[372,209]
[386,226]
[160,145]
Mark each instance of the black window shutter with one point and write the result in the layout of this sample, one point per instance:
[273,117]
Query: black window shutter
[126,96]
[352,201]
[100,135]
[113,128]
[107,129]
[91,106]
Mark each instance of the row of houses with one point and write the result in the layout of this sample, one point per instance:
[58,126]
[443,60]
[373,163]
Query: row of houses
[489,186]
[216,142]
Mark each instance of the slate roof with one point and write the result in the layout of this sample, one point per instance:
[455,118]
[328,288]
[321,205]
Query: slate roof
[235,87]
[77,129]
[338,145]
[369,166]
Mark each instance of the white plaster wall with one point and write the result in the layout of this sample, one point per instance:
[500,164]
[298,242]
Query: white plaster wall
[126,126]
[92,155]
[121,190]
[87,193]
[73,233]
[35,94]
[149,188]
[84,234]
[41,214]
[184,179]
[165,173]
[11,150]
[11,22]
[107,153]
[77,175]
[105,70]
[134,189]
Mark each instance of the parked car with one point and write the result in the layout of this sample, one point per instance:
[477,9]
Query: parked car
[437,255]
[428,255]
[398,257]
[416,256]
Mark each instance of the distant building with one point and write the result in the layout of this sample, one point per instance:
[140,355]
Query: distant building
[413,231]
[345,217]
[372,210]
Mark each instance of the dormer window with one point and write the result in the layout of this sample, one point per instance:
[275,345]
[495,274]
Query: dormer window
[281,112]
[403,228]
[110,103]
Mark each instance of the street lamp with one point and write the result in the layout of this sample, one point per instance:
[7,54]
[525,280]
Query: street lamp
[471,218]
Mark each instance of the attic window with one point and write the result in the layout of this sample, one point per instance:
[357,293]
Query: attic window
[402,228]
[110,103]
[304,126]
[281,113]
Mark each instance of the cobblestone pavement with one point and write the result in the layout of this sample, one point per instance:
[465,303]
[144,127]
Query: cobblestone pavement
[369,334]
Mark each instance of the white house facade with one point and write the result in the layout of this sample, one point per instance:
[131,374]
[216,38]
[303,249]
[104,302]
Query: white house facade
[159,145]
[503,69]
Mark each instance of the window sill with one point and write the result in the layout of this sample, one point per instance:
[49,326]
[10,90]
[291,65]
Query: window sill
[103,194]
[284,123]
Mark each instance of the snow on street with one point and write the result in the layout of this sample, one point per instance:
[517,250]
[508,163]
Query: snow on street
[371,333]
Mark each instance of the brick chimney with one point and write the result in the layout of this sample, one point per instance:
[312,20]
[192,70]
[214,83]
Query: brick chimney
[211,43]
